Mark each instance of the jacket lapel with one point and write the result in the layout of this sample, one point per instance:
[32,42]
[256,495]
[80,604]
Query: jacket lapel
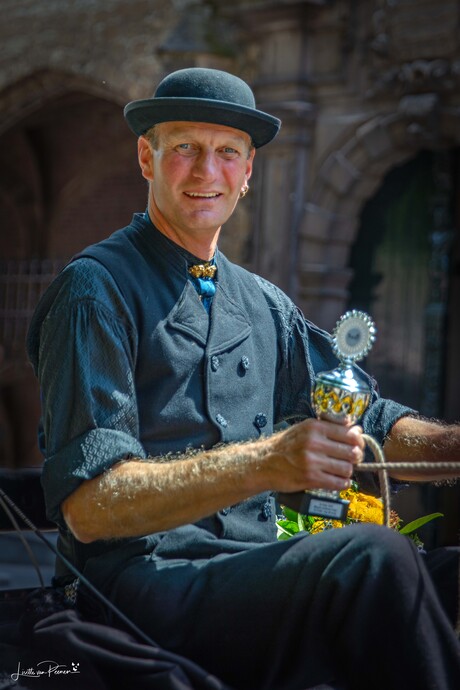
[229,323]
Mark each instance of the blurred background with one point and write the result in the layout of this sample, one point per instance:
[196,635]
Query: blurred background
[355,204]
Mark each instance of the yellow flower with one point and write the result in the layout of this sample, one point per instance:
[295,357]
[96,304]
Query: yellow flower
[320,524]
[363,507]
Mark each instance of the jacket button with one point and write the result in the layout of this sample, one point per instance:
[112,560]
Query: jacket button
[261,420]
[215,363]
[245,363]
[266,511]
[221,420]
[225,511]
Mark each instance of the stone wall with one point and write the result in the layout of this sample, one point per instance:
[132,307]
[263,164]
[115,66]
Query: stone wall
[361,87]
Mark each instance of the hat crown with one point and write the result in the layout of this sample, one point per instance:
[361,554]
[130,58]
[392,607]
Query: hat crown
[204,83]
[201,94]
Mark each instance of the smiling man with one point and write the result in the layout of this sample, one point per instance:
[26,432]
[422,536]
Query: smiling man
[196,173]
[164,369]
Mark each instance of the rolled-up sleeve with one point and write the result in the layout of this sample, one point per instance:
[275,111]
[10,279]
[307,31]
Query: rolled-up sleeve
[84,355]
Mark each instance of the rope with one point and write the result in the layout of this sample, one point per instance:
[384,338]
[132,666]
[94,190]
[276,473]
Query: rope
[382,468]
[405,465]
[377,452]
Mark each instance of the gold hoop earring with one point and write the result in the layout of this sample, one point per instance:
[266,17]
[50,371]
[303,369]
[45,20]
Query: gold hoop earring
[244,190]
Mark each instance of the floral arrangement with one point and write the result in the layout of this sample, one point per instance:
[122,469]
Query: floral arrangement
[362,508]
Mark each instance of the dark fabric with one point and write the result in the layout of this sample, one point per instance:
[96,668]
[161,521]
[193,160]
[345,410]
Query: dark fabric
[57,648]
[444,567]
[131,365]
[72,653]
[356,605]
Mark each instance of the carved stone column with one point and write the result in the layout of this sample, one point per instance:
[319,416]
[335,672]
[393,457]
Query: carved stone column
[274,41]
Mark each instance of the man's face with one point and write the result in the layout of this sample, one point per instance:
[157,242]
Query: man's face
[196,173]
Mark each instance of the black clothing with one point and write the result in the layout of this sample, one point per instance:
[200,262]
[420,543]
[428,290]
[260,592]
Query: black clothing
[132,365]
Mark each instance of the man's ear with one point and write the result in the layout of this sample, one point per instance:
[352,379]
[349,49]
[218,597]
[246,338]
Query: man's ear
[249,163]
[145,157]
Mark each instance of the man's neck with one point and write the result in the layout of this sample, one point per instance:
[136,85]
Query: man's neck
[203,247]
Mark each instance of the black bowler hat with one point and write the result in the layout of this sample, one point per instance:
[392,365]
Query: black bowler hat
[199,94]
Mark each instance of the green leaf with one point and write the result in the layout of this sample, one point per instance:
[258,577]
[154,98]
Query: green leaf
[288,526]
[416,524]
[416,539]
[301,522]
[290,514]
[284,536]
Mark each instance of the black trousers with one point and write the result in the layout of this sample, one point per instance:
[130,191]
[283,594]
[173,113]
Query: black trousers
[356,606]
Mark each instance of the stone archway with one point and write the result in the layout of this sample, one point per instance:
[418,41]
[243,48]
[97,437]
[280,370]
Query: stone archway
[25,97]
[349,176]
[69,176]
[346,179]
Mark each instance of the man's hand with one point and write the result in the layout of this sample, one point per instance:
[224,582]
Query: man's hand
[315,454]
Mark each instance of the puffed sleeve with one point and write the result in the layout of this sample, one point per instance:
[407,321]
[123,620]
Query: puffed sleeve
[82,343]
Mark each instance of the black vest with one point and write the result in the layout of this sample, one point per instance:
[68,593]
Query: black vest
[200,380]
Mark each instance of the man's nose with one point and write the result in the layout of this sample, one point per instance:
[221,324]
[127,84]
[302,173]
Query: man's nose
[205,165]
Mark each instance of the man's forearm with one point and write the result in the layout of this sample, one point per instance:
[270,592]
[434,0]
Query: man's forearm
[417,440]
[144,496]
[140,497]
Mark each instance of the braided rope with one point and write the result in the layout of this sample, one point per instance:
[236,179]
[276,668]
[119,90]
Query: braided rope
[382,468]
[406,465]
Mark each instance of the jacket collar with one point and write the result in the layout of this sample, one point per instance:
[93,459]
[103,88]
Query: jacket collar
[228,324]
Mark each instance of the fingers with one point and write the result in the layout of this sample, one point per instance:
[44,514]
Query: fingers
[341,447]
[338,441]
[334,474]
[319,454]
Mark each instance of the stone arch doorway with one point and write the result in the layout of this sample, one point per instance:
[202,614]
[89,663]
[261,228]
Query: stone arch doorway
[66,155]
[68,177]
[348,179]
[402,274]
[405,273]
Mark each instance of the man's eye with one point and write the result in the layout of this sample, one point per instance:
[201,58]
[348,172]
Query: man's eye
[186,149]
[229,152]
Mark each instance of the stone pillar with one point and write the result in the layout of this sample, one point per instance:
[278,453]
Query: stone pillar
[280,186]
[273,37]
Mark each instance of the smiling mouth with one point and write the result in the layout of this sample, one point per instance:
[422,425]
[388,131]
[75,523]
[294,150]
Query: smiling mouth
[203,195]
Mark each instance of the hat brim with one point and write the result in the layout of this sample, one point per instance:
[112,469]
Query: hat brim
[143,114]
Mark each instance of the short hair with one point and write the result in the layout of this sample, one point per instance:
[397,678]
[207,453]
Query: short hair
[152,136]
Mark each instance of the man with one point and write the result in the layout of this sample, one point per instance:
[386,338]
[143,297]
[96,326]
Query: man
[162,381]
